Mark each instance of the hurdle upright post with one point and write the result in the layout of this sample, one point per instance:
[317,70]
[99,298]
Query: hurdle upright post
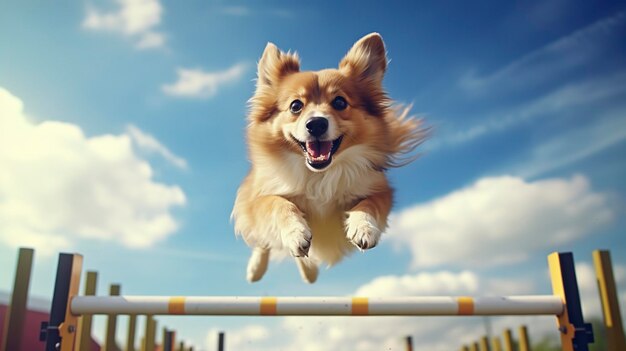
[524,342]
[110,343]
[484,344]
[496,345]
[575,333]
[220,341]
[474,346]
[16,313]
[130,338]
[615,339]
[83,337]
[150,333]
[60,331]
[409,343]
[507,336]
[169,340]
[164,338]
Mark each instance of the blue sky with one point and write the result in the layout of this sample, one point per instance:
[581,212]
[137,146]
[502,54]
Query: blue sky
[122,138]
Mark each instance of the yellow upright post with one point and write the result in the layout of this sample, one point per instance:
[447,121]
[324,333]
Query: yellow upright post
[496,344]
[130,339]
[109,341]
[524,344]
[150,334]
[83,338]
[16,313]
[508,340]
[484,344]
[615,340]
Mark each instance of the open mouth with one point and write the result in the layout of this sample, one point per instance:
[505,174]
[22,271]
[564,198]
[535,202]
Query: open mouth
[319,153]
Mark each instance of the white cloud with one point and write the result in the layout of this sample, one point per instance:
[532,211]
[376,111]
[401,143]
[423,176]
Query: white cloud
[196,83]
[134,18]
[151,40]
[563,55]
[147,142]
[421,284]
[499,220]
[58,186]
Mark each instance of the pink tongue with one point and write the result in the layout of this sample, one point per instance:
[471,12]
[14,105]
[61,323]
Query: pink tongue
[318,149]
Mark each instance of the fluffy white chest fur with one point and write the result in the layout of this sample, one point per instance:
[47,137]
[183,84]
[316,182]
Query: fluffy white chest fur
[323,197]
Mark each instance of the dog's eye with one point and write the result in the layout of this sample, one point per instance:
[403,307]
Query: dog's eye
[296,106]
[339,103]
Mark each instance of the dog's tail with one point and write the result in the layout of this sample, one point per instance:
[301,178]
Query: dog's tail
[407,133]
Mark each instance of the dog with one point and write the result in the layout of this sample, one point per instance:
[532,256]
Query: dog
[319,143]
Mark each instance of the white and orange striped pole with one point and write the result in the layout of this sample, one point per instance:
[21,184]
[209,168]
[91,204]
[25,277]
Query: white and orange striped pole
[318,306]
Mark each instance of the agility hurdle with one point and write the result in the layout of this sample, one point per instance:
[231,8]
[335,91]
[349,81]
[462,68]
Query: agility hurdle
[67,306]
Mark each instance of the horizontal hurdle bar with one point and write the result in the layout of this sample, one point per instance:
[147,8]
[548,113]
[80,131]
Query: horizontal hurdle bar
[318,306]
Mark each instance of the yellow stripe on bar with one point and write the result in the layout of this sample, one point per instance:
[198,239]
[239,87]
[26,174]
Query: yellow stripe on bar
[268,306]
[466,305]
[176,305]
[360,306]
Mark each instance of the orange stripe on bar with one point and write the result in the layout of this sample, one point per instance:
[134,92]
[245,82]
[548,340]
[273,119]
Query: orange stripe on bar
[268,306]
[360,306]
[176,305]
[466,305]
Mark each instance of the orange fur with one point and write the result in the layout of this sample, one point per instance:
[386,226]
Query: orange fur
[288,202]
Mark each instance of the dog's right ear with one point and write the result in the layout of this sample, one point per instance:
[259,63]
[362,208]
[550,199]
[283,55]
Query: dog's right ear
[275,65]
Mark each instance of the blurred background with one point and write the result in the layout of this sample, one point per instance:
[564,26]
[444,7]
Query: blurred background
[122,138]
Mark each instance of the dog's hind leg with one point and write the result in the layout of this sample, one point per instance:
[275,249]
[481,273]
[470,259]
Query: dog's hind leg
[308,269]
[257,264]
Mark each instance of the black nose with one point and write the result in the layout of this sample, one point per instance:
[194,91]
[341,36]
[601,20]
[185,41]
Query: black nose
[317,126]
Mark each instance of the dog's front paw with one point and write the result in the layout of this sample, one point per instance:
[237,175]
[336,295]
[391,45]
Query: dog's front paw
[362,230]
[297,237]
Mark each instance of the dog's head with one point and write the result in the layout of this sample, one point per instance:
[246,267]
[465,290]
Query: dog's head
[321,114]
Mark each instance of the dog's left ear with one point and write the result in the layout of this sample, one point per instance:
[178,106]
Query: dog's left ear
[366,60]
[274,65]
